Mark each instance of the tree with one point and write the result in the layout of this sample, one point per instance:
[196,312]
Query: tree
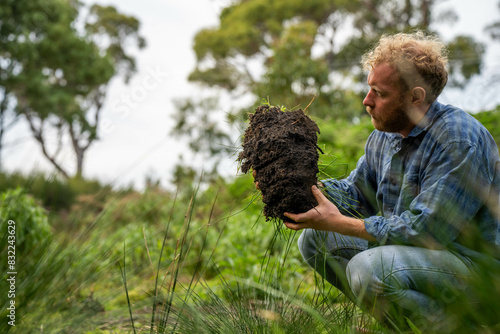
[19,20]
[61,72]
[296,51]
[7,117]
[494,29]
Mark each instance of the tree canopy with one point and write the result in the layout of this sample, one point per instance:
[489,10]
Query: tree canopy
[293,51]
[56,71]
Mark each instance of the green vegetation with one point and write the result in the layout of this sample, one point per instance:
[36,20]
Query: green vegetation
[56,68]
[195,261]
[491,119]
[93,259]
[304,50]
[199,263]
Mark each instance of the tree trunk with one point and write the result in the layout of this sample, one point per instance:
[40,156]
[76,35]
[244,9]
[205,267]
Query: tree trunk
[79,163]
[38,135]
[79,150]
[1,136]
[426,14]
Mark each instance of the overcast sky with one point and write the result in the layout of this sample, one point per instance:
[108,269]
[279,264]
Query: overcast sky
[136,117]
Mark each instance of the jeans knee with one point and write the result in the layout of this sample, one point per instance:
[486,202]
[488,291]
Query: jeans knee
[378,271]
[359,274]
[365,274]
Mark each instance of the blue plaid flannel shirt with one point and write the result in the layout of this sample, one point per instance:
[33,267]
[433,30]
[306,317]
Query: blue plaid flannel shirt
[437,188]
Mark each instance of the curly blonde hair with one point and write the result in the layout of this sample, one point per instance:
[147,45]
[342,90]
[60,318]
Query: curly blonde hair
[419,59]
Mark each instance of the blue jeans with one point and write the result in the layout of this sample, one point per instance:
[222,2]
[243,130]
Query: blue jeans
[392,282]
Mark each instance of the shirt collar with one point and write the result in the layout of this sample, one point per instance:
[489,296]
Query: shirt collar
[431,115]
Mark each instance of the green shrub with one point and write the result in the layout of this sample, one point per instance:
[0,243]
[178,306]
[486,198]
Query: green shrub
[343,143]
[49,277]
[32,237]
[491,120]
[54,192]
[32,230]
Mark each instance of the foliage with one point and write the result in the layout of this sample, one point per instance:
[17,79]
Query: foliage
[465,59]
[494,29]
[32,230]
[23,24]
[297,51]
[343,143]
[244,279]
[50,277]
[32,239]
[211,141]
[491,120]
[53,192]
[58,74]
[205,258]
[207,261]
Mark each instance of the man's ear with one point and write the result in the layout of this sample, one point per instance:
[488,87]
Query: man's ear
[418,96]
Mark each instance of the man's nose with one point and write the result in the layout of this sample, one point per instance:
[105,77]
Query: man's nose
[368,101]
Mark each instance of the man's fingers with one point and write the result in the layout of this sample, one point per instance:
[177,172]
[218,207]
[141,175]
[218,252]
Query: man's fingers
[297,217]
[310,218]
[318,194]
[294,226]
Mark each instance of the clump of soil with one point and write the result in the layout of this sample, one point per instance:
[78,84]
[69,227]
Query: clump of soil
[281,146]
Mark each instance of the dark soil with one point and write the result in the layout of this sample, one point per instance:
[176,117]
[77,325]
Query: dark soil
[282,148]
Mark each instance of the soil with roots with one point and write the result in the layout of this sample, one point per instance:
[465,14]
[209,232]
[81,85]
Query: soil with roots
[281,147]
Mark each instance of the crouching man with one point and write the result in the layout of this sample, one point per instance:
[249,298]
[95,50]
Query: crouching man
[407,232]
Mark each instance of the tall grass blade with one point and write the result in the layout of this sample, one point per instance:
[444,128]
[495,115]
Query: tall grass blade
[155,297]
[124,276]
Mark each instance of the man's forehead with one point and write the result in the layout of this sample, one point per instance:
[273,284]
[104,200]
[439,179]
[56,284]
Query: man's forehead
[382,75]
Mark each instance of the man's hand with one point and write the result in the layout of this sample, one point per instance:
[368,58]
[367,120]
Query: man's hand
[327,217]
[321,217]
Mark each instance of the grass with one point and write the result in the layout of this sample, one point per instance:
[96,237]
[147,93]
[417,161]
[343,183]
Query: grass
[205,262]
[279,299]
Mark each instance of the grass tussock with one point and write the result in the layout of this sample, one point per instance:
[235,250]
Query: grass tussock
[204,261]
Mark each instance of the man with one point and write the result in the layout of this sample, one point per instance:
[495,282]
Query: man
[406,232]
